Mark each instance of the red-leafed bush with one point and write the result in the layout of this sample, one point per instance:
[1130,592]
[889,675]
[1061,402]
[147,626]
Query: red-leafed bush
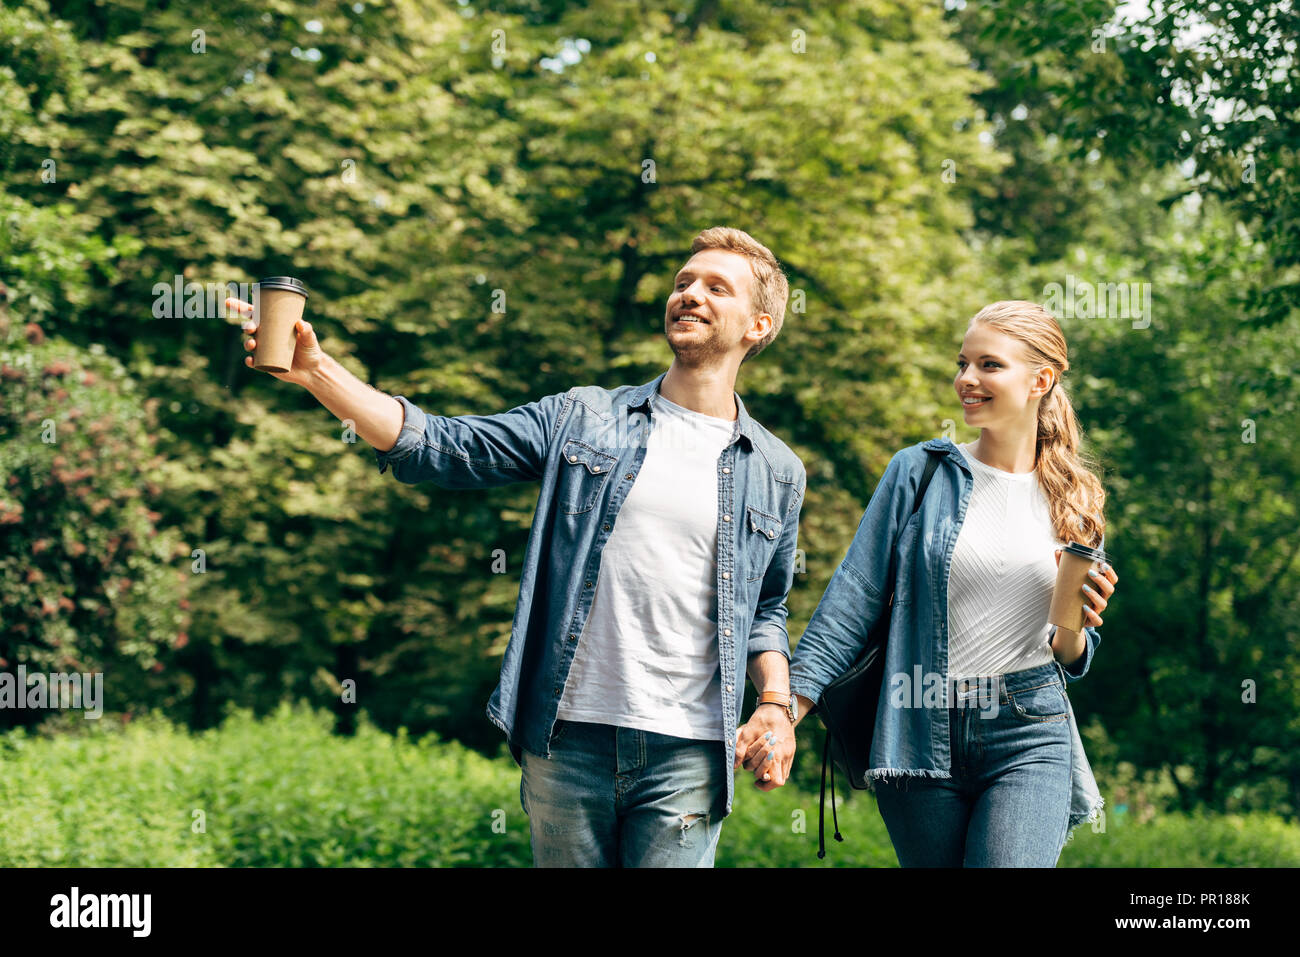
[88,580]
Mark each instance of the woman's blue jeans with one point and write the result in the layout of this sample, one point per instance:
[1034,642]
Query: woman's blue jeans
[1008,800]
[620,797]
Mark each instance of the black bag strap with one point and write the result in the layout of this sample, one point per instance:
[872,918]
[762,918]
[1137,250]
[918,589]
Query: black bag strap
[931,464]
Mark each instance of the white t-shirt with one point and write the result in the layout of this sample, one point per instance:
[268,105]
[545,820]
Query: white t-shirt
[647,657]
[1002,575]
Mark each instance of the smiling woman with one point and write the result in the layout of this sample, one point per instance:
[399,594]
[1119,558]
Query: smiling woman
[975,575]
[1014,393]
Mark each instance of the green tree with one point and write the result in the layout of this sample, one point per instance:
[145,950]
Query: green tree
[470,218]
[1207,86]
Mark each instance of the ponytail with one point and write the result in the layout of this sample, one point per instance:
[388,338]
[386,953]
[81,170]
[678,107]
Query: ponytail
[1075,497]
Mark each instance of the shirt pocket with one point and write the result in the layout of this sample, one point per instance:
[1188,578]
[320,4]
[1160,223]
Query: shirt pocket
[760,537]
[583,473]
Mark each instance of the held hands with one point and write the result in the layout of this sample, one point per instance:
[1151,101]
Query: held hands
[765,745]
[307,353]
[1099,592]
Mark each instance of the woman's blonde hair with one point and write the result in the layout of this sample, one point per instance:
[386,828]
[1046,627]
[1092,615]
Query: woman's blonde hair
[1075,497]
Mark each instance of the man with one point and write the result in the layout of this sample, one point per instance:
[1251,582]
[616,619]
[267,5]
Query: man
[656,572]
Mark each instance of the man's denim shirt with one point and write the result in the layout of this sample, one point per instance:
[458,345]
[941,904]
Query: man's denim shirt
[912,741]
[586,446]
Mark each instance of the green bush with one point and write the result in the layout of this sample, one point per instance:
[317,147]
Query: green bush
[110,797]
[779,829]
[284,792]
[278,792]
[1199,839]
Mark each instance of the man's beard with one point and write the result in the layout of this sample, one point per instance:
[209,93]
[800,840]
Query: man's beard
[701,351]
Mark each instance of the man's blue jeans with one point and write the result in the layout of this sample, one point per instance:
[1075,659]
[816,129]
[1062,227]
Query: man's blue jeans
[619,797]
[1008,800]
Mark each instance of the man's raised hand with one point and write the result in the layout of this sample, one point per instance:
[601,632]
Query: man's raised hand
[307,353]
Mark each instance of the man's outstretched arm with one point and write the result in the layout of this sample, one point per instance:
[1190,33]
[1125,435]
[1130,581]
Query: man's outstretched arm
[375,416]
[454,452]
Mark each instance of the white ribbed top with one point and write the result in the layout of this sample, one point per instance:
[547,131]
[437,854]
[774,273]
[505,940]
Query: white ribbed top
[1002,574]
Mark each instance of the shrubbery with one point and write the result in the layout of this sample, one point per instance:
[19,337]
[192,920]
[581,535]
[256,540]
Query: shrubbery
[284,791]
[88,580]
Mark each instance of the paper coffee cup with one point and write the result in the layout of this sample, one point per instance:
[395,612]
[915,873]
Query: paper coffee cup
[278,303]
[1072,574]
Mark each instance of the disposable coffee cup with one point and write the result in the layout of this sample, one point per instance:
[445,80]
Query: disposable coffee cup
[278,304]
[1072,574]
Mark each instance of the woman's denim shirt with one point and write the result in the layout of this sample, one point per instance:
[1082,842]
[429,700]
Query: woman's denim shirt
[912,741]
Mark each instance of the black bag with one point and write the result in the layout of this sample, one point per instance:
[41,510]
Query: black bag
[847,707]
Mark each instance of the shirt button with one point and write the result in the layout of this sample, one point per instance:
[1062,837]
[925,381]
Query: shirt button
[606,528]
[726,518]
[729,688]
[573,458]
[726,574]
[588,584]
[573,637]
[725,471]
[726,631]
[628,475]
[595,468]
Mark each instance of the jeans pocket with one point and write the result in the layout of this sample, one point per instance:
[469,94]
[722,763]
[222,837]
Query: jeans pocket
[558,732]
[1045,702]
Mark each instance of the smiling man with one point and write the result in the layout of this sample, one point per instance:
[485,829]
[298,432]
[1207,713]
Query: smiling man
[655,577]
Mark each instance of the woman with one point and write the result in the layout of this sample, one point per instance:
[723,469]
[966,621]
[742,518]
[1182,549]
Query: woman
[976,759]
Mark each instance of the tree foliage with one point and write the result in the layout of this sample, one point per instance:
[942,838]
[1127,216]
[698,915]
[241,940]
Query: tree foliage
[487,207]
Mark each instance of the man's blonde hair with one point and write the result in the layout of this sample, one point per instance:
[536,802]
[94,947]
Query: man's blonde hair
[770,289]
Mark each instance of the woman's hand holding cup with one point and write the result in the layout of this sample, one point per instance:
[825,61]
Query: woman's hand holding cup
[1098,589]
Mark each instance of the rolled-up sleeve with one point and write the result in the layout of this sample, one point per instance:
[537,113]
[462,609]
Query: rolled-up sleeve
[474,451]
[1075,671]
[768,631]
[408,440]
